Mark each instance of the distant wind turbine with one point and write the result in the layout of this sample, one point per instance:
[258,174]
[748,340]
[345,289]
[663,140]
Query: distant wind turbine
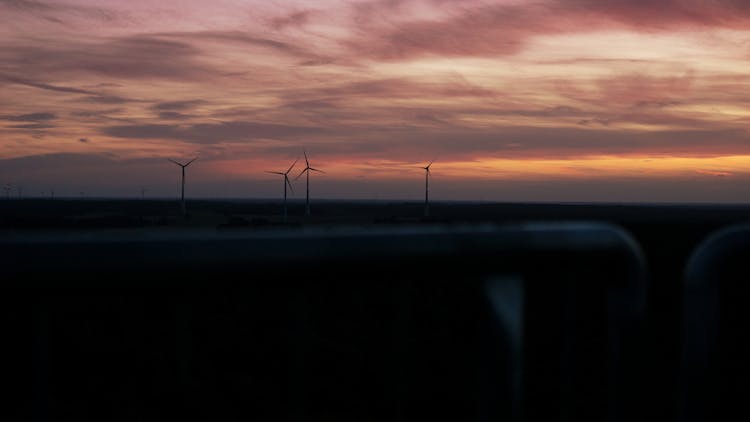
[427,189]
[286,183]
[182,195]
[307,170]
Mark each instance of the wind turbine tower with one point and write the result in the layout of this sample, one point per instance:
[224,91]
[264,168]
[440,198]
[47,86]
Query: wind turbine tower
[307,170]
[182,194]
[286,183]
[427,189]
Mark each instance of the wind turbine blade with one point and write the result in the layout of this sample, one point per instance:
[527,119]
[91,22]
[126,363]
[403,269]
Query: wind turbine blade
[292,166]
[289,184]
[174,162]
[275,172]
[306,162]
[301,173]
[188,163]
[321,171]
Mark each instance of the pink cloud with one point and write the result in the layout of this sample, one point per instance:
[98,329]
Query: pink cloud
[498,29]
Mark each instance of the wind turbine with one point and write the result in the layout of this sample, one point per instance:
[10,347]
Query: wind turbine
[307,170]
[286,182]
[427,189]
[182,196]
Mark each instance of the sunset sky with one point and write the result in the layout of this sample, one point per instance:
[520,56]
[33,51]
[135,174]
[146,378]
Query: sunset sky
[548,100]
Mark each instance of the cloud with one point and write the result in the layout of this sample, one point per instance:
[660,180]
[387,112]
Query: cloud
[714,173]
[178,105]
[32,117]
[343,95]
[35,120]
[640,89]
[452,101]
[32,126]
[173,115]
[209,133]
[390,32]
[596,121]
[95,113]
[514,142]
[667,14]
[59,12]
[556,111]
[296,48]
[106,99]
[31,5]
[130,57]
[41,85]
[294,19]
[91,96]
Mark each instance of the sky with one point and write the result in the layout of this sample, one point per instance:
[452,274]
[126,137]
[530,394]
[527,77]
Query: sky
[548,100]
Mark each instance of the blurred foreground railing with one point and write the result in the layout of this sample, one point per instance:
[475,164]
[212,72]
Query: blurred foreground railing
[528,322]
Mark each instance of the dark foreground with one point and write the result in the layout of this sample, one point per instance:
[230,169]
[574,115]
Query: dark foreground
[366,311]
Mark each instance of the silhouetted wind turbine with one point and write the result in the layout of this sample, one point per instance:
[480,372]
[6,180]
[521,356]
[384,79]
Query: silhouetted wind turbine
[182,195]
[286,182]
[307,170]
[427,189]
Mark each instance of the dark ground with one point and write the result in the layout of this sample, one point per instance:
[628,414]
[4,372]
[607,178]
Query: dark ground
[667,235]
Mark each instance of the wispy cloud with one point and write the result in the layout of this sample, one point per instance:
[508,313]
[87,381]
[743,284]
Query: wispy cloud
[61,12]
[41,85]
[208,133]
[32,126]
[178,105]
[714,173]
[504,28]
[31,117]
[133,57]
